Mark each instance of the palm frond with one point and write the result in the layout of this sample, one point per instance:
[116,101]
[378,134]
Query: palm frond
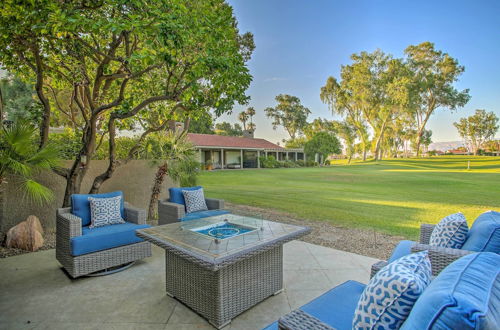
[37,192]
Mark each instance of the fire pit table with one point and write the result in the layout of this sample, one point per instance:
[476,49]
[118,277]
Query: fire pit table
[221,266]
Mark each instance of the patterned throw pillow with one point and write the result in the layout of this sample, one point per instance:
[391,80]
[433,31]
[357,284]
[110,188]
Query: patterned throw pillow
[450,232]
[195,200]
[390,295]
[105,211]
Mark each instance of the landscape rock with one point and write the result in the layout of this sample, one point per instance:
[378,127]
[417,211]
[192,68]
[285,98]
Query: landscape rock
[26,235]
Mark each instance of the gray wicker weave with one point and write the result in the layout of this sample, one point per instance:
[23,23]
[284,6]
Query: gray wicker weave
[221,280]
[440,257]
[69,225]
[172,212]
[300,320]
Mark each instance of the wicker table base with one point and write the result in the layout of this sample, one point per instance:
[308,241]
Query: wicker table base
[223,294]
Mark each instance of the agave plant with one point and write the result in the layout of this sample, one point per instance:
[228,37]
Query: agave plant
[174,156]
[20,158]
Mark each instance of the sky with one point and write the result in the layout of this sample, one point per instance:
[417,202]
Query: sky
[299,44]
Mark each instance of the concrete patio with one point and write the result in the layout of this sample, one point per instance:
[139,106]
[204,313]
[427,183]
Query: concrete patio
[36,294]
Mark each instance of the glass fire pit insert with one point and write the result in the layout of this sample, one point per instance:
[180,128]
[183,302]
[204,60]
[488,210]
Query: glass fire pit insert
[223,230]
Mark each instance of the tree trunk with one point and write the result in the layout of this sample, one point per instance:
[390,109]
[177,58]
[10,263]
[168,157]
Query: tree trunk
[349,160]
[161,173]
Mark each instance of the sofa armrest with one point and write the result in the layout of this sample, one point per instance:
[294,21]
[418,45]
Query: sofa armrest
[214,204]
[425,233]
[377,266]
[300,320]
[67,224]
[134,214]
[440,257]
[170,212]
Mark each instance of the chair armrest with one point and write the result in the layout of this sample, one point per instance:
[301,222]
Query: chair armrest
[170,212]
[300,320]
[425,232]
[377,266]
[134,214]
[214,204]
[67,225]
[440,257]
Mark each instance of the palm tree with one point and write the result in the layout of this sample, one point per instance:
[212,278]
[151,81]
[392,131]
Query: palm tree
[251,113]
[19,158]
[243,117]
[174,156]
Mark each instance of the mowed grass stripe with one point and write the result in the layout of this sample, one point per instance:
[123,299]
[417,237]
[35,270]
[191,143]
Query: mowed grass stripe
[394,196]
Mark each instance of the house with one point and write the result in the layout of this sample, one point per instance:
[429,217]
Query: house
[218,151]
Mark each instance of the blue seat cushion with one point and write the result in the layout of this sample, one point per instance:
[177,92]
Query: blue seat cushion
[80,205]
[401,250]
[104,238]
[335,307]
[176,195]
[484,235]
[203,214]
[465,295]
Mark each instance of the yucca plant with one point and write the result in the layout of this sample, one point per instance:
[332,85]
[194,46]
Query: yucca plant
[173,155]
[21,159]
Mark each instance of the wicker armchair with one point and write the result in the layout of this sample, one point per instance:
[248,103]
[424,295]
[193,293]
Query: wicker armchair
[169,212]
[440,257]
[69,226]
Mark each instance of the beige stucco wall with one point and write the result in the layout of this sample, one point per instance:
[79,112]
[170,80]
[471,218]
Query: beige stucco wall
[135,179]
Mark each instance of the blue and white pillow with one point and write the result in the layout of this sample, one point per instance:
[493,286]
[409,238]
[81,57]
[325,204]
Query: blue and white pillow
[390,295]
[105,211]
[450,232]
[195,200]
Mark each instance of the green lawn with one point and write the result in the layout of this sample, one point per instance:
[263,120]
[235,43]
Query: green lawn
[393,196]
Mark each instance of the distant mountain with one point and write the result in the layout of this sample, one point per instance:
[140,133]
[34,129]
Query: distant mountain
[445,146]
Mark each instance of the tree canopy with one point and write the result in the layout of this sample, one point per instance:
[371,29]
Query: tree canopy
[289,113]
[324,144]
[124,64]
[477,129]
[385,98]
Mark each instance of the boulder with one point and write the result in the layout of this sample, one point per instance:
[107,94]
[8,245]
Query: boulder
[26,235]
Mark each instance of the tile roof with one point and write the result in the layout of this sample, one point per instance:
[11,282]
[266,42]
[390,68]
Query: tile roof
[211,140]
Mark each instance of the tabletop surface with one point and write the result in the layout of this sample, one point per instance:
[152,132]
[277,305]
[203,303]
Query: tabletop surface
[183,237]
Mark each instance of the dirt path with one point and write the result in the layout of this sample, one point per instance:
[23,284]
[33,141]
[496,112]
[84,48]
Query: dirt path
[361,241]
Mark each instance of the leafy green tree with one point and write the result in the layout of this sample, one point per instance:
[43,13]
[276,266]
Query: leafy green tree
[126,64]
[324,144]
[227,129]
[434,75]
[347,133]
[20,158]
[337,96]
[18,100]
[296,143]
[203,124]
[477,129]
[289,113]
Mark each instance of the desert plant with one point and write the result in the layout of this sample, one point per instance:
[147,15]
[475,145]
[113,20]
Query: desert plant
[20,158]
[173,154]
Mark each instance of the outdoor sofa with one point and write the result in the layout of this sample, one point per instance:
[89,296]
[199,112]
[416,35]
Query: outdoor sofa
[173,209]
[483,236]
[465,295]
[82,251]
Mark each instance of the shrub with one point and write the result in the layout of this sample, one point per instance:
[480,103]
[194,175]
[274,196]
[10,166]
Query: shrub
[269,162]
[300,163]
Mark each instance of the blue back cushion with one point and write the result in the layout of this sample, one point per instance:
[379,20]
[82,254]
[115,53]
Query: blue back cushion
[80,205]
[465,295]
[484,235]
[401,250]
[176,195]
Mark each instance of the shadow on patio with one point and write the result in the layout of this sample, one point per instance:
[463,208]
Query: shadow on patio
[37,294]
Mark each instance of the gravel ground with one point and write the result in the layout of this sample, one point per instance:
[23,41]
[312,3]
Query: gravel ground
[361,241]
[49,243]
